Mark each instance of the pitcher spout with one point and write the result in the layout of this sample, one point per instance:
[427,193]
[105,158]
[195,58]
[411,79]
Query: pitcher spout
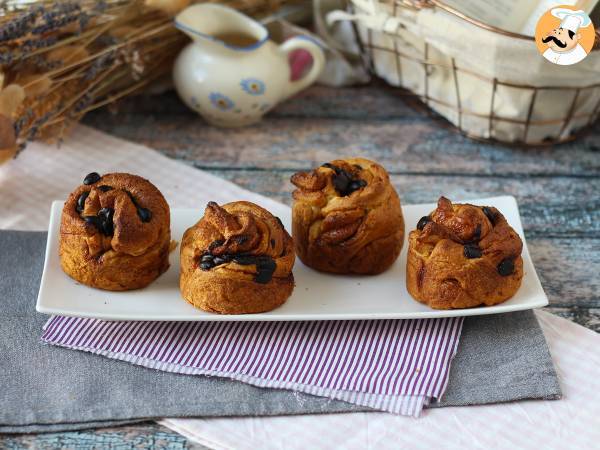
[222,25]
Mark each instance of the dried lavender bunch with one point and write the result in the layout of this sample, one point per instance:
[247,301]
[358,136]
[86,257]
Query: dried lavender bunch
[59,60]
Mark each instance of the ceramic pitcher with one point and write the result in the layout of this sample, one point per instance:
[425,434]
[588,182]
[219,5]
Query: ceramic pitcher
[232,73]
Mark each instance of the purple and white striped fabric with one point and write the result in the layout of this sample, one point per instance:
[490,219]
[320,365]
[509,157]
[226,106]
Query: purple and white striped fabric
[390,365]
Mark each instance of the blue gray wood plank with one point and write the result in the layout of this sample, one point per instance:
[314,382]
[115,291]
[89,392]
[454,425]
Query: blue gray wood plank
[144,436]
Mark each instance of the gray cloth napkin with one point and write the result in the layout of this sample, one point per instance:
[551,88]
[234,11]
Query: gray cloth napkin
[46,388]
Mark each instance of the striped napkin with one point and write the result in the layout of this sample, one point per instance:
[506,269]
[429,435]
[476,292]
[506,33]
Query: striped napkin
[390,365]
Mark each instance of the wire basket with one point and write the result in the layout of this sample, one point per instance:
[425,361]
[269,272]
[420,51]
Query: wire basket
[484,102]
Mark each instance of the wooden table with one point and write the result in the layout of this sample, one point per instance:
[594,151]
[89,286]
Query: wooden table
[558,188]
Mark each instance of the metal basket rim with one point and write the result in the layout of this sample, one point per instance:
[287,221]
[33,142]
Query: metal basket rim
[419,4]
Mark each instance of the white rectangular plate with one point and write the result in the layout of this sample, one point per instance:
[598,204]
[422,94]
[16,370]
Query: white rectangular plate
[317,296]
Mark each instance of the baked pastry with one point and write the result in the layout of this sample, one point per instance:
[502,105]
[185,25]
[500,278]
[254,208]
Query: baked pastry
[346,217]
[237,259]
[115,232]
[462,256]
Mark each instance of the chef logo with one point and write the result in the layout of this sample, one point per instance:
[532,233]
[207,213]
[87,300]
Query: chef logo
[564,35]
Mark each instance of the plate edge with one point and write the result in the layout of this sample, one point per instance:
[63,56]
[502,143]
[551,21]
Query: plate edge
[57,205]
[51,225]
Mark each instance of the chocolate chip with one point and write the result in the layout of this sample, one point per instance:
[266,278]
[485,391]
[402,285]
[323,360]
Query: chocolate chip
[279,222]
[265,265]
[206,265]
[91,178]
[357,184]
[506,267]
[341,182]
[477,235]
[272,243]
[95,221]
[81,201]
[358,166]
[218,260]
[215,244]
[422,222]
[489,214]
[106,216]
[472,251]
[104,188]
[108,228]
[132,198]
[265,268]
[345,185]
[332,167]
[105,212]
[208,261]
[145,214]
[103,221]
[244,260]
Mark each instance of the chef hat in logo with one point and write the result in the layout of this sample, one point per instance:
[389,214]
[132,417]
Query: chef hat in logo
[571,20]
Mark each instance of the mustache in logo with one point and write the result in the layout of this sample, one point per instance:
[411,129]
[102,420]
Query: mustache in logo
[555,40]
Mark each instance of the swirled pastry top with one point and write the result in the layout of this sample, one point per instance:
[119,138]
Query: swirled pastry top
[240,238]
[346,217]
[482,231]
[118,211]
[342,184]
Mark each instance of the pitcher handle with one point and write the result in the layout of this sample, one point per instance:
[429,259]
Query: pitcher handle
[318,62]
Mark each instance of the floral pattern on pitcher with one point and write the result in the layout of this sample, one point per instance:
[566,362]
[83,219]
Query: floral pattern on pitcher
[253,86]
[221,101]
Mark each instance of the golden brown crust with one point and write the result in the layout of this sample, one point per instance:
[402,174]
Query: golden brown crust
[342,227]
[237,259]
[128,253]
[463,256]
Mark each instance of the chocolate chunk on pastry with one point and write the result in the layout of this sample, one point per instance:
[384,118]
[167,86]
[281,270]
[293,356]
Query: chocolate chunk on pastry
[462,256]
[347,217]
[115,232]
[237,259]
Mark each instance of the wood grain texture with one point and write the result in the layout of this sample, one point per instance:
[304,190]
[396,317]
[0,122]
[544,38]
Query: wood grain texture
[557,188]
[143,436]
[322,124]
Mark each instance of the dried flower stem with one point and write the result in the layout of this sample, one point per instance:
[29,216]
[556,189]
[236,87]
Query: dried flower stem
[76,56]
